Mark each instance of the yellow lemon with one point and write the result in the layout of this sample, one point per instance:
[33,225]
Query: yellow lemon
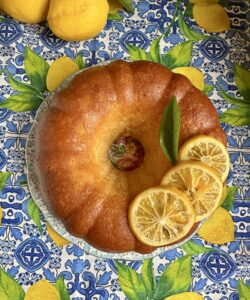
[1,215]
[219,228]
[200,183]
[212,18]
[76,20]
[161,216]
[204,2]
[58,239]
[194,75]
[209,151]
[42,290]
[186,296]
[59,70]
[29,11]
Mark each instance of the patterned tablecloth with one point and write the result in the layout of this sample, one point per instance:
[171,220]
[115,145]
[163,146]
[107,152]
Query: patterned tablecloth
[27,252]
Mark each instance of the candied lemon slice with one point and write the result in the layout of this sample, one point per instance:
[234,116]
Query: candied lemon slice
[212,18]
[193,74]
[209,151]
[59,70]
[219,228]
[200,183]
[161,216]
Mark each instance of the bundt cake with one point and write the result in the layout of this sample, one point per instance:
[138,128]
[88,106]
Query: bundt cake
[97,146]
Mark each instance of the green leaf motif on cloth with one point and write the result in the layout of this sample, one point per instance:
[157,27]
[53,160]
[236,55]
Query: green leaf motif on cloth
[175,279]
[244,291]
[170,130]
[137,53]
[131,283]
[128,5]
[20,86]
[22,102]
[9,288]
[148,277]
[61,288]
[192,248]
[189,33]
[34,213]
[208,89]
[3,179]
[229,199]
[114,16]
[242,79]
[36,69]
[79,61]
[155,51]
[179,56]
[237,117]
[232,100]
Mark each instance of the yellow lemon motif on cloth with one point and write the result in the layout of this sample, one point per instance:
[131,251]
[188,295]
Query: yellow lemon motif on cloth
[29,11]
[77,20]
[161,216]
[209,151]
[212,18]
[219,228]
[58,239]
[59,70]
[200,183]
[186,296]
[42,290]
[194,75]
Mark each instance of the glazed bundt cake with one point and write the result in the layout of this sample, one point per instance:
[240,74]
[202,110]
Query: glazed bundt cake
[98,146]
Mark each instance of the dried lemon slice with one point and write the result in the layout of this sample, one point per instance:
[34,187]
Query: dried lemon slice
[209,151]
[161,216]
[200,183]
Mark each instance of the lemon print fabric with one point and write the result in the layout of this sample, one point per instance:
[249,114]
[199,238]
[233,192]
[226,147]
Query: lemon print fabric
[29,11]
[58,239]
[186,296]
[219,228]
[77,20]
[42,290]
[194,75]
[59,70]
[161,216]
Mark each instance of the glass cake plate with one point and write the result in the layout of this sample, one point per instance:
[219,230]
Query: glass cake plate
[56,224]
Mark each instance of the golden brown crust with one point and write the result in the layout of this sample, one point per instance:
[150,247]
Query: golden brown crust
[78,181]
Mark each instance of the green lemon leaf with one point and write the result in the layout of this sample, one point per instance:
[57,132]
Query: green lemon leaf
[189,33]
[130,282]
[237,117]
[9,288]
[20,86]
[207,89]
[192,248]
[34,214]
[79,61]
[148,277]
[114,16]
[36,69]
[170,130]
[242,79]
[155,51]
[61,288]
[244,290]
[175,279]
[22,102]
[3,179]
[189,10]
[179,56]
[128,5]
[236,101]
[137,53]
[229,199]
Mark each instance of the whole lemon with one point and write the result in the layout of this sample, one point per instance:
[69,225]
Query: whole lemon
[29,11]
[76,20]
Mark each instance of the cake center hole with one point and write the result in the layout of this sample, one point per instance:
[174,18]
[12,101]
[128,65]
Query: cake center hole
[126,153]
